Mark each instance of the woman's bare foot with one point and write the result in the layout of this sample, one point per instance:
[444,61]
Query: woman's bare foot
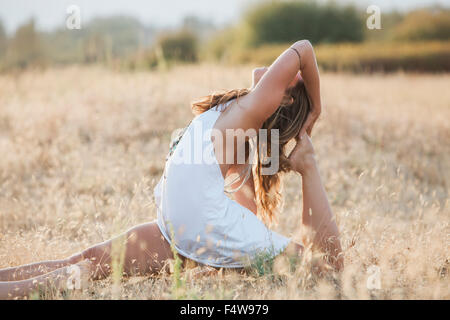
[77,276]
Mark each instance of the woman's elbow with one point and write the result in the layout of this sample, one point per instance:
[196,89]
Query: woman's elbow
[304,44]
[306,51]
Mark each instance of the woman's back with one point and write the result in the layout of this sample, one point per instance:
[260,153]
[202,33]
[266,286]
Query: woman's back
[207,226]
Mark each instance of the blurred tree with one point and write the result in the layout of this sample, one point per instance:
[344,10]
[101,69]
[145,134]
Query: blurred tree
[94,49]
[25,48]
[425,24]
[64,46]
[3,40]
[180,45]
[100,40]
[222,43]
[288,21]
[200,27]
[389,21]
[126,34]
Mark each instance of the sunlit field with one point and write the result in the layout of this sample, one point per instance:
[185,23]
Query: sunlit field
[82,148]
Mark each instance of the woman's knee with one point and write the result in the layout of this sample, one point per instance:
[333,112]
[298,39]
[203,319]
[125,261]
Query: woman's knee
[147,250]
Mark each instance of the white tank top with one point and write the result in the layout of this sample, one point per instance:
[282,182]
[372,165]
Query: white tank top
[193,211]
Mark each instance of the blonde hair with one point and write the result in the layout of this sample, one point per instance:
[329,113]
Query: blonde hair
[288,119]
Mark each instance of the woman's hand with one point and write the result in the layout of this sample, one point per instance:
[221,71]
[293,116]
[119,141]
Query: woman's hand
[302,157]
[311,120]
[257,74]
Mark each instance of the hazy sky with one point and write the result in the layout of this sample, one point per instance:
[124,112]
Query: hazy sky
[52,13]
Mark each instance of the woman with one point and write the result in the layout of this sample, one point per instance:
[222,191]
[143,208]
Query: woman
[195,216]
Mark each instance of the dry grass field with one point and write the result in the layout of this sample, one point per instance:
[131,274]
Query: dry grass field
[81,149]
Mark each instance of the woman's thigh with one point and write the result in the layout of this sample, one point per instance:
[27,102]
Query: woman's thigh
[147,251]
[140,250]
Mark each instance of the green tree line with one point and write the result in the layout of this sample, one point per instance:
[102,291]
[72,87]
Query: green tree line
[126,42]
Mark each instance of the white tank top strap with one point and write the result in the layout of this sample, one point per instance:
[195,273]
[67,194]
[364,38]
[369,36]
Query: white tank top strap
[242,176]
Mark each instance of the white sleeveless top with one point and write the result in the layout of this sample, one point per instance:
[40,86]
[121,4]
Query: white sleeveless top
[193,211]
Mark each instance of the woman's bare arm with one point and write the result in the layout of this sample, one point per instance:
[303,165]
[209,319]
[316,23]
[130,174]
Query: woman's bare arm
[317,214]
[266,96]
[311,78]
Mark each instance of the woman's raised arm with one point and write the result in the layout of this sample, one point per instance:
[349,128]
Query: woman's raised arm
[266,96]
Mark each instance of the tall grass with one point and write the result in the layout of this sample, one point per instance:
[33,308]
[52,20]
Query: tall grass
[82,149]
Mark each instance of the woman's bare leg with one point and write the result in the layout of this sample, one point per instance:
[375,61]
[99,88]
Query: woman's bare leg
[58,279]
[140,250]
[317,215]
[31,270]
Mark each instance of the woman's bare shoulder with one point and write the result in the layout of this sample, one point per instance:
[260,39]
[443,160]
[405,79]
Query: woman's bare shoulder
[238,116]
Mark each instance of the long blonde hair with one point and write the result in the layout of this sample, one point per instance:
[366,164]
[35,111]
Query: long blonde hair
[288,119]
